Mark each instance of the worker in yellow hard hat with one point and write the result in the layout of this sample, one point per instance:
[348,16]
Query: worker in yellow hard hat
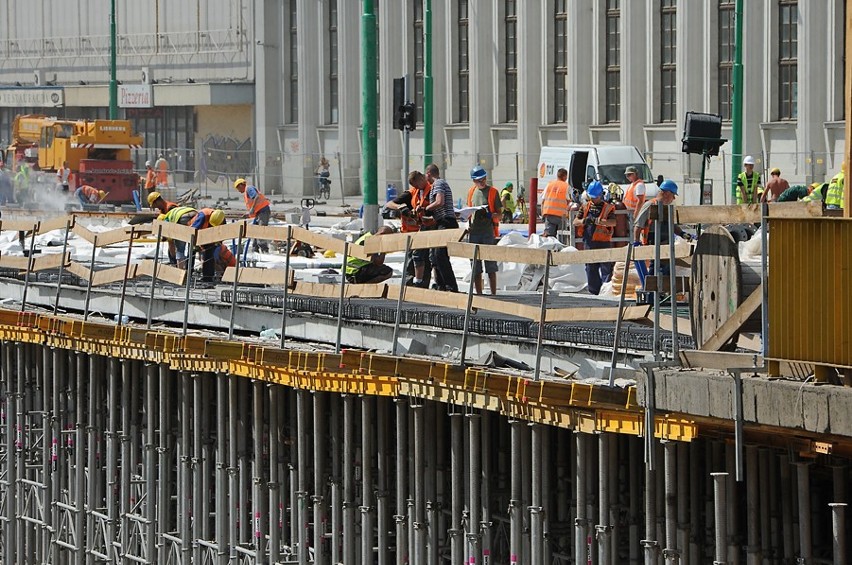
[208,218]
[258,209]
[157,202]
[182,215]
[89,195]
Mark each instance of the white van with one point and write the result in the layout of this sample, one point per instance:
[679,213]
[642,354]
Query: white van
[586,163]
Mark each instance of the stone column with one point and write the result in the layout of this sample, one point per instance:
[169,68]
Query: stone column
[349,94]
[311,47]
[582,110]
[268,100]
[531,78]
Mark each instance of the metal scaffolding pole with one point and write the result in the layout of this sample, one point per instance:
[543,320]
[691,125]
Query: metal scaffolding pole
[112,455]
[79,459]
[456,486]
[184,460]
[721,516]
[473,535]
[650,542]
[536,533]
[485,482]
[803,480]
[257,472]
[224,521]
[151,403]
[582,545]
[12,399]
[319,478]
[274,478]
[367,456]
[754,519]
[683,501]
[233,466]
[516,516]
[336,465]
[200,514]
[382,475]
[419,497]
[671,552]
[349,496]
[402,554]
[838,532]
[603,527]
[165,464]
[302,473]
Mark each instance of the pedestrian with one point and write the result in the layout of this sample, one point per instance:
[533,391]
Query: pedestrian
[634,198]
[374,271]
[162,167]
[181,215]
[150,177]
[323,174]
[157,202]
[595,224]
[484,224]
[89,195]
[644,229]
[554,204]
[411,205]
[507,199]
[203,219]
[258,209]
[749,189]
[775,187]
[834,194]
[63,176]
[441,207]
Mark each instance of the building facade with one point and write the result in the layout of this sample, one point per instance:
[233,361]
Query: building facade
[280,80]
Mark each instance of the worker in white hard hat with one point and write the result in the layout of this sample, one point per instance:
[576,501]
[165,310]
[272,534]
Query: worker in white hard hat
[150,177]
[749,187]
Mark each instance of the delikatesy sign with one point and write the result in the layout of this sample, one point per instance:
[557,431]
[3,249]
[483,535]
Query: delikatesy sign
[135,96]
[18,97]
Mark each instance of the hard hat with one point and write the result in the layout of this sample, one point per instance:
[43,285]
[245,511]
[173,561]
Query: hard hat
[509,185]
[153,197]
[238,182]
[161,218]
[147,163]
[749,160]
[669,186]
[775,171]
[478,173]
[101,194]
[217,217]
[329,254]
[595,189]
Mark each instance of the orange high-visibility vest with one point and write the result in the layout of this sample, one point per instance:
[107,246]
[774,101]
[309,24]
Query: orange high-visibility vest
[259,204]
[555,199]
[493,198]
[150,179]
[602,233]
[631,200]
[410,222]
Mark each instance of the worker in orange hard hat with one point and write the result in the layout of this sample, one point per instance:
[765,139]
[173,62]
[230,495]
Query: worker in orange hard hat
[157,202]
[258,209]
[89,195]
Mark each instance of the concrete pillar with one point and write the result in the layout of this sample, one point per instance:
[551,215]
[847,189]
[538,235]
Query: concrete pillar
[349,93]
[803,480]
[813,111]
[268,101]
[634,82]
[484,63]
[582,110]
[721,502]
[396,55]
[531,95]
[309,83]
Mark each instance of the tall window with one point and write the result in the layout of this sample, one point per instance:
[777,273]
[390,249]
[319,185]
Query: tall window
[294,65]
[668,63]
[727,17]
[464,64]
[332,62]
[788,88]
[419,51]
[560,61]
[511,30]
[613,62]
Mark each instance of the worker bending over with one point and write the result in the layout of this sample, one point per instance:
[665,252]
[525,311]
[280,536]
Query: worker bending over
[374,271]
[89,195]
[157,202]
[258,210]
[181,215]
[203,219]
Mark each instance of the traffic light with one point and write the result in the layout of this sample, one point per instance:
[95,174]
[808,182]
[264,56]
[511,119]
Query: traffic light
[404,113]
[409,116]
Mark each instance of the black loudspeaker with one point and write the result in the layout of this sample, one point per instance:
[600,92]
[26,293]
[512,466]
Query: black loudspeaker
[702,131]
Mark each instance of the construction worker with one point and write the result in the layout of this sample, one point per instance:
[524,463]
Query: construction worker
[440,205]
[258,209]
[89,195]
[749,188]
[203,219]
[63,176]
[634,198]
[374,271]
[802,192]
[22,182]
[554,203]
[7,188]
[834,195]
[162,167]
[157,202]
[182,215]
[411,205]
[644,228]
[223,258]
[508,202]
[484,225]
[775,187]
[150,177]
[816,193]
[595,224]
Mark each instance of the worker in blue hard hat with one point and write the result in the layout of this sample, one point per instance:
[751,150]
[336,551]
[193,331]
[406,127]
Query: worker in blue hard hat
[595,224]
[644,230]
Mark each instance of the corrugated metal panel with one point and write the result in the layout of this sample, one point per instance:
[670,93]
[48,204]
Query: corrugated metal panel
[810,291]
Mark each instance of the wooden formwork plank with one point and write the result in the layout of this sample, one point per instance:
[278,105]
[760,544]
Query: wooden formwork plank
[333,291]
[391,243]
[51,224]
[174,231]
[114,274]
[218,233]
[505,254]
[40,263]
[595,314]
[255,275]
[18,225]
[166,273]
